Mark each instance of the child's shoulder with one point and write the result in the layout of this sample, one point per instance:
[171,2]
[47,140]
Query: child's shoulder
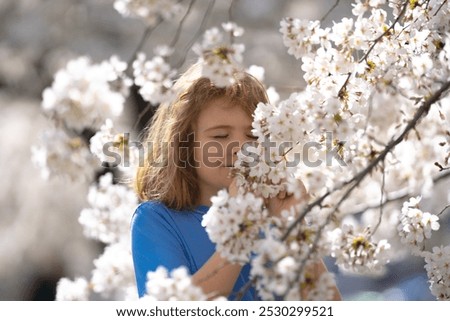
[151,207]
[151,215]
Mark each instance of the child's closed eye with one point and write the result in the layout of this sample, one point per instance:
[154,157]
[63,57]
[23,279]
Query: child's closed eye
[220,136]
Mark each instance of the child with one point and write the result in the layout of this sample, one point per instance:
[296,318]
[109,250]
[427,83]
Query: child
[194,141]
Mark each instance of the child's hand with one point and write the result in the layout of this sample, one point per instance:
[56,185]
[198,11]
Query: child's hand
[233,188]
[285,200]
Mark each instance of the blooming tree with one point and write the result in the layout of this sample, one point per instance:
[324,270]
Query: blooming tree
[375,109]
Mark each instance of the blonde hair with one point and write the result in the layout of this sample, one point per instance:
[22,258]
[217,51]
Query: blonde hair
[175,184]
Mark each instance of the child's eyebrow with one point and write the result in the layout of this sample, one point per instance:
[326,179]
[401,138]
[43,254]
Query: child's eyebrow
[218,127]
[223,127]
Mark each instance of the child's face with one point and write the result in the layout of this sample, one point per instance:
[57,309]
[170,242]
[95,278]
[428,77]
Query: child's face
[220,131]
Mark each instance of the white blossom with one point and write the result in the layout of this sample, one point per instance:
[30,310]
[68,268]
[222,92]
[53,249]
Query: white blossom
[301,36]
[273,95]
[60,155]
[421,64]
[84,95]
[270,282]
[76,290]
[101,138]
[257,72]
[219,59]
[113,274]
[115,150]
[174,286]
[233,29]
[438,270]
[415,225]
[149,10]
[235,223]
[107,219]
[357,252]
[154,77]
[283,264]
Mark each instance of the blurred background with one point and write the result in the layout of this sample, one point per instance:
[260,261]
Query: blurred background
[40,237]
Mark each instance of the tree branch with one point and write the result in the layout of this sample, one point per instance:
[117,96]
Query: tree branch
[402,13]
[395,198]
[357,179]
[180,25]
[330,10]
[148,31]
[443,210]
[197,34]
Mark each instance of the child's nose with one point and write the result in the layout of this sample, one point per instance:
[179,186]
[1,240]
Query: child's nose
[239,145]
[236,148]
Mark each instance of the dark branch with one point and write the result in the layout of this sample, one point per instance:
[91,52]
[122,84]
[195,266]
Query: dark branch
[357,179]
[396,198]
[391,27]
[148,31]
[197,34]
[180,25]
[330,10]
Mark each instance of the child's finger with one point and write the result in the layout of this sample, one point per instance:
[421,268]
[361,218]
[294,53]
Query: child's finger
[282,195]
[233,189]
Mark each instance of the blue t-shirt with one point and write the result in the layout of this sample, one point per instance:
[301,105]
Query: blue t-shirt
[162,236]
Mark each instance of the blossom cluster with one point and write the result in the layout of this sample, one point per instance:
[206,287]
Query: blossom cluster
[107,218]
[174,286]
[415,228]
[438,270]
[264,178]
[112,277]
[219,59]
[76,290]
[83,97]
[235,224]
[415,225]
[285,264]
[150,11]
[341,86]
[357,252]
[60,154]
[154,78]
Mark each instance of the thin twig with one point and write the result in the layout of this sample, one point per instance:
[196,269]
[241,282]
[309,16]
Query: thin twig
[244,289]
[330,10]
[197,34]
[180,25]
[148,31]
[440,7]
[356,180]
[380,216]
[230,19]
[398,197]
[443,210]
[400,16]
[341,91]
[230,10]
[147,108]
